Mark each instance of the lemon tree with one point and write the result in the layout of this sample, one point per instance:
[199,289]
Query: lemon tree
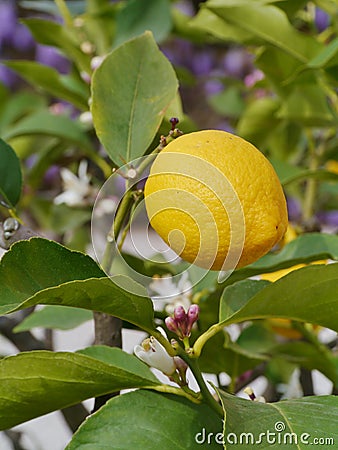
[214,197]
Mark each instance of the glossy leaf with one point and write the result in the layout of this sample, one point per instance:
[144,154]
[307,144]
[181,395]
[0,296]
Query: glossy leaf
[44,123]
[10,175]
[51,33]
[281,69]
[137,17]
[292,424]
[131,91]
[102,295]
[268,23]
[308,294]
[28,379]
[31,266]
[304,249]
[54,317]
[208,22]
[51,81]
[237,295]
[319,174]
[147,420]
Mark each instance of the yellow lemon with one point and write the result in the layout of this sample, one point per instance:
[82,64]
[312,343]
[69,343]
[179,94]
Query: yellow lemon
[215,200]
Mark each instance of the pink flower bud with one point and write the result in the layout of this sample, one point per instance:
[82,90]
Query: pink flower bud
[179,313]
[193,313]
[171,324]
[192,317]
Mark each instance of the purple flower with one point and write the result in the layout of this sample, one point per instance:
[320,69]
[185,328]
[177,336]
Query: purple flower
[329,218]
[294,209]
[8,22]
[202,63]
[178,52]
[225,126]
[213,87]
[237,63]
[8,77]
[22,38]
[322,19]
[49,56]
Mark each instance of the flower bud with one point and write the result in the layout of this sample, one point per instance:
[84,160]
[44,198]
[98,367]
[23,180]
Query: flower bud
[171,324]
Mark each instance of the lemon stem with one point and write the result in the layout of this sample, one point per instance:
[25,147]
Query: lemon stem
[206,394]
[192,396]
[312,184]
[201,341]
[122,212]
[311,337]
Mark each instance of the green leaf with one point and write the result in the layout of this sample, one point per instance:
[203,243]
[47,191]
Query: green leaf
[39,271]
[304,249]
[308,105]
[228,103]
[259,120]
[51,81]
[28,379]
[118,358]
[50,7]
[308,356]
[308,419]
[319,174]
[280,69]
[219,356]
[207,21]
[54,317]
[308,295]
[324,57]
[136,17]
[236,296]
[131,91]
[18,106]
[268,23]
[44,123]
[10,175]
[51,33]
[147,420]
[102,295]
[33,265]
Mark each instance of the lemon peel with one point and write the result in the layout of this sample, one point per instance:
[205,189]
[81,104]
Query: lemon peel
[216,200]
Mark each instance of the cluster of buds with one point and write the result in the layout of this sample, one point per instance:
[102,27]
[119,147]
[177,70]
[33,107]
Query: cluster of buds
[173,133]
[182,322]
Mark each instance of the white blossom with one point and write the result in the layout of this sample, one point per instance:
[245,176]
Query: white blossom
[155,355]
[76,188]
[168,295]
